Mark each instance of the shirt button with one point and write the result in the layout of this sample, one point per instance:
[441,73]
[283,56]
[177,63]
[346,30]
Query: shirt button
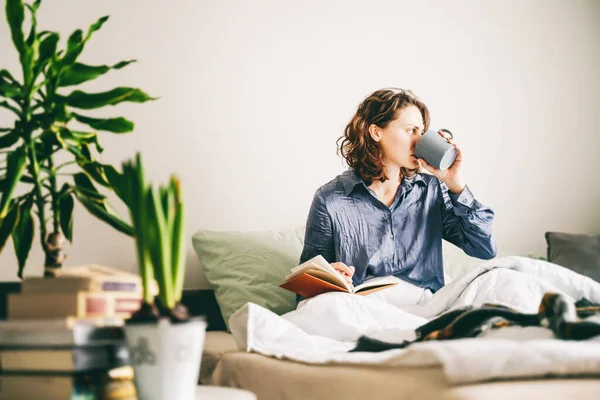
[464,201]
[391,235]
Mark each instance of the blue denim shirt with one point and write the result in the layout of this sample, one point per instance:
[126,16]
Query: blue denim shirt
[348,223]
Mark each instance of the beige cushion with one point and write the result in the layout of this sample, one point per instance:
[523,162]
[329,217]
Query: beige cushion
[216,344]
[273,379]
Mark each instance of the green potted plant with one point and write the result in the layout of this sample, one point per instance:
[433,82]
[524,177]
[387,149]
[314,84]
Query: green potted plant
[44,104]
[164,342]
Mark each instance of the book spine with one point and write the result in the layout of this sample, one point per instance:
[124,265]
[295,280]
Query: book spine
[84,284]
[116,286]
[78,305]
[94,305]
[125,305]
[55,286]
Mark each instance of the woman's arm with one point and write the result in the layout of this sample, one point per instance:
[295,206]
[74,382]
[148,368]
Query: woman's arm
[319,232]
[318,238]
[467,223]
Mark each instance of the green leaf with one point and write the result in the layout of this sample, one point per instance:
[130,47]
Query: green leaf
[86,187]
[116,125]
[77,136]
[105,213]
[31,39]
[65,206]
[16,161]
[8,140]
[178,239]
[159,247]
[27,179]
[136,192]
[119,184]
[60,112]
[5,104]
[47,50]
[74,139]
[7,224]
[79,73]
[94,170]
[75,150]
[87,101]
[45,145]
[23,235]
[76,42]
[74,49]
[15,15]
[7,75]
[9,88]
[96,26]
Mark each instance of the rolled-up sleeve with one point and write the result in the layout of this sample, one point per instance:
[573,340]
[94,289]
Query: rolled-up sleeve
[319,232]
[467,223]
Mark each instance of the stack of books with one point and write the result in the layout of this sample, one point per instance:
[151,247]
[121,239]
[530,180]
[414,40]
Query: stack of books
[64,337]
[83,292]
[83,359]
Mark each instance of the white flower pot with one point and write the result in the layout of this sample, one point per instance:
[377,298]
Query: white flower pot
[166,358]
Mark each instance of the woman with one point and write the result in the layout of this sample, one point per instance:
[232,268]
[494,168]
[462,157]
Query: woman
[383,216]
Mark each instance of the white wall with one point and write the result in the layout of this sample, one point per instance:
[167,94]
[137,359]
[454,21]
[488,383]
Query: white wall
[255,93]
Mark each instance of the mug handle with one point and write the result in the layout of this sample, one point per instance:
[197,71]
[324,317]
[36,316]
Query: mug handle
[447,131]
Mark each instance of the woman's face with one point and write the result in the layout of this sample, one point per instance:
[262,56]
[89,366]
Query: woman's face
[399,138]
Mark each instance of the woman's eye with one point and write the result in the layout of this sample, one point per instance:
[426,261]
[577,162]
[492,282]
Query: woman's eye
[411,131]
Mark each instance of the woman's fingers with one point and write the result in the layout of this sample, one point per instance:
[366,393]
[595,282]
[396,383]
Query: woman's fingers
[428,166]
[349,277]
[344,269]
[445,135]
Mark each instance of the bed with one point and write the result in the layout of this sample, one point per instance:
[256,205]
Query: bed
[271,378]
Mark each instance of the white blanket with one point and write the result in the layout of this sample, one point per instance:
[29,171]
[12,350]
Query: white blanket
[324,328]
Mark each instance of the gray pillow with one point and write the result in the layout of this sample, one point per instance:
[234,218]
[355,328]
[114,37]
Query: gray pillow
[580,253]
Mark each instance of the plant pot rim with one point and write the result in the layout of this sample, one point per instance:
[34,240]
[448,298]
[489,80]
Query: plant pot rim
[195,318]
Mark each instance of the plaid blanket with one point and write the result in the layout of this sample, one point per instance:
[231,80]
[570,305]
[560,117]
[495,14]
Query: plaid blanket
[568,321]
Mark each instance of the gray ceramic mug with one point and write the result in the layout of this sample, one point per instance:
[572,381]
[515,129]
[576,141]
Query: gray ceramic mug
[435,149]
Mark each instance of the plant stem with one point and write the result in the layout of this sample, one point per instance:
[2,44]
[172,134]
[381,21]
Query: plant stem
[64,165]
[34,169]
[53,192]
[19,198]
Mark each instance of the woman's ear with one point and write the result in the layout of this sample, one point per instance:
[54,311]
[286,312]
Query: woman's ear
[375,132]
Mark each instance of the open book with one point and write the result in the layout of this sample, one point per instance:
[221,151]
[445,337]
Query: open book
[317,276]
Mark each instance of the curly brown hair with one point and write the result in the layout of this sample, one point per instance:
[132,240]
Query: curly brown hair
[358,148]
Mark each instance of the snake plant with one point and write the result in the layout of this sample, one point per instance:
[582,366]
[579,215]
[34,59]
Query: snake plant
[157,215]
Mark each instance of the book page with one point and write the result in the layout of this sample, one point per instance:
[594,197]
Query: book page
[376,281]
[319,263]
[327,277]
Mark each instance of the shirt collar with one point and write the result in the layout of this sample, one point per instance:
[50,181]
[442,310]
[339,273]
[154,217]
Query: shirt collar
[350,179]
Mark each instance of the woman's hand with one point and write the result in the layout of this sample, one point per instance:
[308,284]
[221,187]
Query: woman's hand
[345,270]
[452,177]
